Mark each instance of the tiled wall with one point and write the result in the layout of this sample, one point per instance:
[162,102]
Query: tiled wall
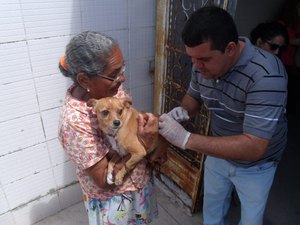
[36,177]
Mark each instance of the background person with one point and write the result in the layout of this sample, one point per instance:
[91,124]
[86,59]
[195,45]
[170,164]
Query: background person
[95,63]
[272,37]
[245,92]
[290,18]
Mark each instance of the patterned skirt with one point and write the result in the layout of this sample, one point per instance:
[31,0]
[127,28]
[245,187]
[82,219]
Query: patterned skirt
[132,208]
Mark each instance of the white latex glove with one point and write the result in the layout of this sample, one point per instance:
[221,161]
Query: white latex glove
[174,132]
[179,114]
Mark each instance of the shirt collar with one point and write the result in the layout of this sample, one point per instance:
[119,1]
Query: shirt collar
[246,54]
[76,104]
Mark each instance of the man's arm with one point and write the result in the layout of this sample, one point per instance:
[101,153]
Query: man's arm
[237,147]
[191,105]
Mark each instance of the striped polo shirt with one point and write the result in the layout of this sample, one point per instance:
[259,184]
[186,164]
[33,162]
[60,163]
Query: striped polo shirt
[250,98]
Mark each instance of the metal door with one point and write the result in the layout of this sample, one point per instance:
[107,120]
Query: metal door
[181,177]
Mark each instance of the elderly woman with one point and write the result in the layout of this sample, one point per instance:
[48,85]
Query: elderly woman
[96,65]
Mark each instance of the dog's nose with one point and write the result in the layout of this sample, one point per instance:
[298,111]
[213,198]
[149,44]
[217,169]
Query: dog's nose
[117,123]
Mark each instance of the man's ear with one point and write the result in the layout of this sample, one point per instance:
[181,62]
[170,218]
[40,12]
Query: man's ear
[83,80]
[231,48]
[259,42]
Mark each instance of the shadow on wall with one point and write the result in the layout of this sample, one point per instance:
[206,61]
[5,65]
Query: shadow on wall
[44,209]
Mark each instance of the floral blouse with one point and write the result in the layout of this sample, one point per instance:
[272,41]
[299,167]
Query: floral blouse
[86,145]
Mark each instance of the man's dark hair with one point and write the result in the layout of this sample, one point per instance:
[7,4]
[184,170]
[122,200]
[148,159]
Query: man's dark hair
[210,24]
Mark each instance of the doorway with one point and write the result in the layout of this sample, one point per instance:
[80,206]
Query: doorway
[182,174]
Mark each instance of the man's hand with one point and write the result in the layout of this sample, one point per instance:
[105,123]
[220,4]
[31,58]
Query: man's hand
[171,130]
[147,129]
[179,114]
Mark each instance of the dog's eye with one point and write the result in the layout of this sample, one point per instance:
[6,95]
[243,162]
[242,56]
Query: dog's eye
[104,112]
[120,111]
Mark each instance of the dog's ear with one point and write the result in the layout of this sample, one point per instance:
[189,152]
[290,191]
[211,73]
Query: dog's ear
[91,102]
[127,102]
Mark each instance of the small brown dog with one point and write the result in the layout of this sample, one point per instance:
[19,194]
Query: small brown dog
[119,121]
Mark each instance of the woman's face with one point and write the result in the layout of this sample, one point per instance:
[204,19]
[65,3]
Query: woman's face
[274,45]
[101,87]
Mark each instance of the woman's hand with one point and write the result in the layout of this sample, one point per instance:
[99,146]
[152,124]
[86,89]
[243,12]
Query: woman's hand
[147,129]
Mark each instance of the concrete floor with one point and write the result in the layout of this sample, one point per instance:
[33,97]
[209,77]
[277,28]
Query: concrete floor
[283,206]
[75,215]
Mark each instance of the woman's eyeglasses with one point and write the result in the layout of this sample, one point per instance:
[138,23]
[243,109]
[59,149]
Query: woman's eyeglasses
[274,47]
[115,77]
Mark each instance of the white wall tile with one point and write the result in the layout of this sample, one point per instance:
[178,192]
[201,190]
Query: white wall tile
[57,154]
[45,19]
[38,1]
[20,133]
[24,163]
[37,210]
[140,75]
[142,42]
[142,13]
[4,205]
[64,174]
[17,99]
[9,2]
[55,96]
[11,24]
[143,98]
[50,121]
[7,219]
[30,188]
[104,15]
[70,195]
[14,62]
[45,54]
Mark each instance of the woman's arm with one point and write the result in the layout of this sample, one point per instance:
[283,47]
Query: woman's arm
[99,172]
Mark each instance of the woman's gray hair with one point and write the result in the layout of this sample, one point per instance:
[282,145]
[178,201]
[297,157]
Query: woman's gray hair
[87,52]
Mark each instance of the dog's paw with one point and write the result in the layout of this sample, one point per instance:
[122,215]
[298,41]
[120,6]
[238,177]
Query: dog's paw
[109,178]
[118,182]
[119,179]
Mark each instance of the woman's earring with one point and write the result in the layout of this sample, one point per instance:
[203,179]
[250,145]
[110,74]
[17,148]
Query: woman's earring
[88,90]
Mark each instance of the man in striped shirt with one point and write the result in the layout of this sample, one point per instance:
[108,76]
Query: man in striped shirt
[245,90]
